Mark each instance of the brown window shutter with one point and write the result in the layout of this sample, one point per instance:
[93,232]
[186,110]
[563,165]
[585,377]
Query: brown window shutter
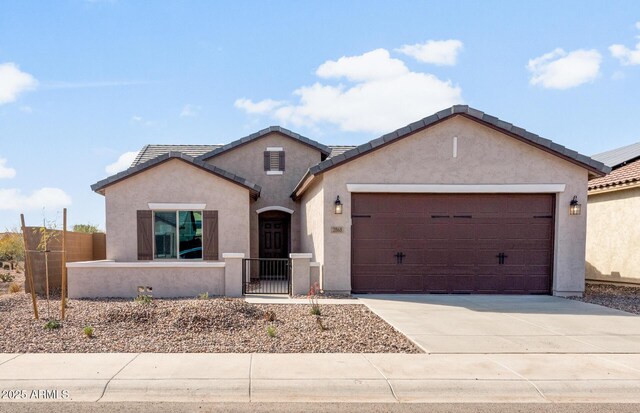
[210,236]
[267,161]
[281,154]
[145,235]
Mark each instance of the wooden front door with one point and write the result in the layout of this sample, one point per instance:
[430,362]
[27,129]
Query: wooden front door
[274,235]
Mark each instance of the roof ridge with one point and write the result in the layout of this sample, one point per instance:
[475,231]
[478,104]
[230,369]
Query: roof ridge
[248,138]
[469,112]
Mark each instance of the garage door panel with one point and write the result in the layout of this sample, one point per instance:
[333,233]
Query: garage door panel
[451,243]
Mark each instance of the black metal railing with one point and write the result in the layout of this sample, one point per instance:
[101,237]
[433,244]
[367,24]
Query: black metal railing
[266,276]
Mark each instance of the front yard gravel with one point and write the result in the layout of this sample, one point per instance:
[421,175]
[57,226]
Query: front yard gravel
[217,325]
[625,298]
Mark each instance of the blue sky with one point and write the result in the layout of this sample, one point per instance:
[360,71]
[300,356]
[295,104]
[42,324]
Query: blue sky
[84,82]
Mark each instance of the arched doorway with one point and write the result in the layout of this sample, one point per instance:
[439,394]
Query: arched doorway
[274,234]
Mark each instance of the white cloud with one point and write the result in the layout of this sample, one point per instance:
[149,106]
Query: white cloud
[383,95]
[190,111]
[258,108]
[626,56]
[561,70]
[374,65]
[124,161]
[5,171]
[13,82]
[438,52]
[49,198]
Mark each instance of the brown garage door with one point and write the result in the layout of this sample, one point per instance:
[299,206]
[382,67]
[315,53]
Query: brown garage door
[444,243]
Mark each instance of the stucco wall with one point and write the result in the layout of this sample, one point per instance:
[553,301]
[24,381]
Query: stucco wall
[312,217]
[175,182]
[248,162]
[613,234]
[165,282]
[484,156]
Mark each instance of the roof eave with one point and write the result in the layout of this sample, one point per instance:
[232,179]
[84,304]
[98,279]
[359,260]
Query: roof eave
[100,186]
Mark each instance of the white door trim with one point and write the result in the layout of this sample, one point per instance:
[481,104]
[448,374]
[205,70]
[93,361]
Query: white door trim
[274,208]
[458,188]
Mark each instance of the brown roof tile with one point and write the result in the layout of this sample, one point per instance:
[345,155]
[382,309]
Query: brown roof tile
[625,174]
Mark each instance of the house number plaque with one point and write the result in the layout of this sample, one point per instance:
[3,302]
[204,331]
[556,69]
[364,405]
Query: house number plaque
[337,230]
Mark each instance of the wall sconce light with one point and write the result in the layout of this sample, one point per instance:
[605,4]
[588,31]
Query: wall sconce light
[338,205]
[574,207]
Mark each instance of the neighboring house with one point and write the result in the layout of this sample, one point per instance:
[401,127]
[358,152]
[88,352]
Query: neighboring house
[613,223]
[458,202]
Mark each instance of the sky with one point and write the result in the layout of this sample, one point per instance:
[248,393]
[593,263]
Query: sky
[86,84]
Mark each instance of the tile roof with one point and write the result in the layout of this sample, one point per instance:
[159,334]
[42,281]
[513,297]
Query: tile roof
[286,132]
[626,174]
[100,185]
[152,151]
[339,150]
[596,167]
[619,156]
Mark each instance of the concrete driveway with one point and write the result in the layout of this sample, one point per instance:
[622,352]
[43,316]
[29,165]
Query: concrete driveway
[478,324]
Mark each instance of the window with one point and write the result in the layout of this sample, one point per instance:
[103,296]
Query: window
[274,161]
[177,234]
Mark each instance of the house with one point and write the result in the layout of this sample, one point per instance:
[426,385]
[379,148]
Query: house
[613,223]
[458,202]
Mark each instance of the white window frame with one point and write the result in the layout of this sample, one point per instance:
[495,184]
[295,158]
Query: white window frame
[153,228]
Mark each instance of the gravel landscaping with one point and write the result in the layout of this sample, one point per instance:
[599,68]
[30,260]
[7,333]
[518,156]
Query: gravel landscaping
[625,298]
[216,325]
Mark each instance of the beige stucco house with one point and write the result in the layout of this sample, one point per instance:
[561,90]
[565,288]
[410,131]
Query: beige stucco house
[613,223]
[458,202]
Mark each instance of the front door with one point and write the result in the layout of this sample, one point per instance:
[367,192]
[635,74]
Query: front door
[274,235]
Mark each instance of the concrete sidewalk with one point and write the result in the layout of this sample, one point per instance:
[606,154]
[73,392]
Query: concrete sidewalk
[425,378]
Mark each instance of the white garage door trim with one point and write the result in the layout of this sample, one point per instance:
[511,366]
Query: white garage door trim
[458,189]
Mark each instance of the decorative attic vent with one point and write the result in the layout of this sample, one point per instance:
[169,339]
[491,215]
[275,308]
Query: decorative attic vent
[274,161]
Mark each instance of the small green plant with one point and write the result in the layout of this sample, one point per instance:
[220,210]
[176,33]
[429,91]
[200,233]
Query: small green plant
[88,331]
[313,299]
[144,299]
[52,325]
[271,331]
[270,316]
[14,288]
[7,277]
[203,296]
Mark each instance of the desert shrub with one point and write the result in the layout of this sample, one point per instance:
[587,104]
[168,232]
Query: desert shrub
[86,228]
[203,296]
[88,331]
[143,299]
[52,325]
[6,277]
[14,288]
[313,299]
[271,331]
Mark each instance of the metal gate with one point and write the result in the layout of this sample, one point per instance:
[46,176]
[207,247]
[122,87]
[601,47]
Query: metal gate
[266,276]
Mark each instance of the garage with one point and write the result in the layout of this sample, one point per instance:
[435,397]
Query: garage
[452,243]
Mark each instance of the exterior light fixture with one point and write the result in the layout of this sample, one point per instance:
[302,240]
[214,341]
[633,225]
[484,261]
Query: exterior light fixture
[574,207]
[338,205]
